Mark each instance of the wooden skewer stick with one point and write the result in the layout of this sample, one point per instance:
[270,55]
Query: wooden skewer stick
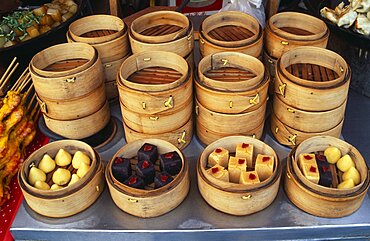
[20,81]
[24,84]
[5,81]
[20,77]
[8,69]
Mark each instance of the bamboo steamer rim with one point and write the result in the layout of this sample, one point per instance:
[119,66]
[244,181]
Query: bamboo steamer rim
[93,23]
[60,52]
[157,18]
[128,153]
[183,135]
[319,143]
[292,137]
[234,18]
[228,143]
[292,114]
[100,119]
[303,21]
[203,40]
[235,115]
[181,46]
[313,55]
[50,148]
[148,59]
[231,59]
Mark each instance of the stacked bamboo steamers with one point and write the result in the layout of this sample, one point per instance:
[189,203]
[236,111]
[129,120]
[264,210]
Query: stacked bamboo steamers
[155,92]
[109,36]
[230,31]
[311,88]
[69,82]
[288,30]
[163,31]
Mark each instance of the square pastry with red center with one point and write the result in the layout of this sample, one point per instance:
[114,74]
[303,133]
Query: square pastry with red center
[245,150]
[305,158]
[219,156]
[148,152]
[219,172]
[249,178]
[146,170]
[308,165]
[171,162]
[162,179]
[236,166]
[264,166]
[135,181]
[121,168]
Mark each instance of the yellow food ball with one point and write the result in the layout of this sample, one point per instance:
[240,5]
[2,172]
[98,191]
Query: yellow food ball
[47,164]
[332,154]
[61,176]
[84,168]
[79,157]
[74,179]
[42,185]
[55,187]
[353,174]
[346,184]
[345,162]
[63,158]
[36,174]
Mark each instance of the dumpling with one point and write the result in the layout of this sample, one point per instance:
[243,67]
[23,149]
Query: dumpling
[329,14]
[361,6]
[362,25]
[347,18]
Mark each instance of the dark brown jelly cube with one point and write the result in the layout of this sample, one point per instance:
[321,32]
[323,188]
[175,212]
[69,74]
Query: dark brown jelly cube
[162,179]
[170,162]
[326,177]
[135,181]
[146,170]
[148,152]
[121,168]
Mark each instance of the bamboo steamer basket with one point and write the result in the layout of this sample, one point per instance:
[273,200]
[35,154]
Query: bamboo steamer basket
[169,26]
[230,29]
[82,127]
[311,98]
[69,200]
[111,28]
[288,136]
[270,64]
[112,50]
[232,198]
[75,108]
[181,46]
[63,53]
[160,122]
[145,60]
[288,30]
[317,57]
[180,137]
[207,136]
[254,48]
[71,86]
[318,200]
[148,203]
[308,121]
[230,82]
[230,123]
[232,102]
[111,68]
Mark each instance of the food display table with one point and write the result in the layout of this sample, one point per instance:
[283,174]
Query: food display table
[194,219]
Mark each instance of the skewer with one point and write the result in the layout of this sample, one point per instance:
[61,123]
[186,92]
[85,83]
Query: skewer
[8,69]
[20,77]
[5,81]
[20,81]
[24,84]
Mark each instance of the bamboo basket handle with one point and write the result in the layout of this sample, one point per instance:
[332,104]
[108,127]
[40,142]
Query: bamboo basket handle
[290,138]
[43,106]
